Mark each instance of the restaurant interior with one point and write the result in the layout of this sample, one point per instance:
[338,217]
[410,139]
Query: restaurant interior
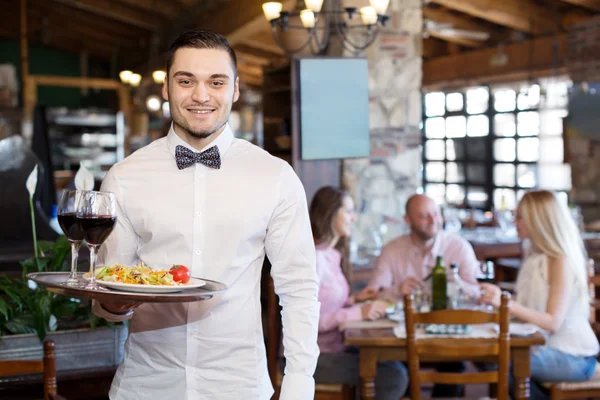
[472,103]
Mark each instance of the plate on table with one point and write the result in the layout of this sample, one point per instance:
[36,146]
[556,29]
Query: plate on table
[194,283]
[395,312]
[519,329]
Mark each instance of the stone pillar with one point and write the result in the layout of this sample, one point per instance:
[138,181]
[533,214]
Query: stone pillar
[381,184]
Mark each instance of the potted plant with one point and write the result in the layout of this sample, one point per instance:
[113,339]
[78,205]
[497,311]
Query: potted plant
[28,314]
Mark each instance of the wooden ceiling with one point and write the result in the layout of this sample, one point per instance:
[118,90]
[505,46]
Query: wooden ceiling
[131,33]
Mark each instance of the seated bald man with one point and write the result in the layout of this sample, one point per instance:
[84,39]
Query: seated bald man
[406,261]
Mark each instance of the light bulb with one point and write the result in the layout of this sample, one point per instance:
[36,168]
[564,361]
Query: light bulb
[125,75]
[368,15]
[159,76]
[314,5]
[308,18]
[380,6]
[135,79]
[153,103]
[272,10]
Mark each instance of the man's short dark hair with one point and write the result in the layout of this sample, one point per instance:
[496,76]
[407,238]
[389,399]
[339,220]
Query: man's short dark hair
[201,39]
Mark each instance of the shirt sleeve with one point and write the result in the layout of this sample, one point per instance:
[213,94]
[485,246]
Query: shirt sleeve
[382,276]
[291,251]
[332,320]
[120,246]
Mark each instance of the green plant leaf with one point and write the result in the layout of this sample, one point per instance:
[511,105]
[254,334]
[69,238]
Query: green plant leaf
[41,315]
[21,324]
[4,308]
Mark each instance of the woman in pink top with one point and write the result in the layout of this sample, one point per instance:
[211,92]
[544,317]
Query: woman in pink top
[332,214]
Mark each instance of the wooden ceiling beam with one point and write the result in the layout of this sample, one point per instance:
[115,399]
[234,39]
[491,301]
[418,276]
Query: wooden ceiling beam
[522,15]
[456,39]
[433,47]
[523,58]
[164,7]
[88,18]
[457,21]
[118,12]
[593,5]
[251,58]
[268,55]
[266,47]
[250,69]
[252,80]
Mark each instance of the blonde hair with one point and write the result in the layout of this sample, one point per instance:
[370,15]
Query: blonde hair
[553,231]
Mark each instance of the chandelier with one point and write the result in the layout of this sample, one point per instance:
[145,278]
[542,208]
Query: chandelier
[349,23]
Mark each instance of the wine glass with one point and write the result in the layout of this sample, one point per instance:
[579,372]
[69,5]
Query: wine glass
[67,213]
[96,215]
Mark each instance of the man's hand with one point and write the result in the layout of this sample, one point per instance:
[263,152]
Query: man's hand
[490,294]
[409,285]
[374,310]
[367,293]
[115,307]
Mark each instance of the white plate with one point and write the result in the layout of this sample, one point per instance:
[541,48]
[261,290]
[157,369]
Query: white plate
[520,329]
[132,287]
[397,316]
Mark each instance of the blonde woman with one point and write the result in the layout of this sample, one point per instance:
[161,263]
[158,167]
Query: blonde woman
[552,292]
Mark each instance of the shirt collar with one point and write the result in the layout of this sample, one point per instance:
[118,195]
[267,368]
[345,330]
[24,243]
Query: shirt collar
[223,141]
[435,248]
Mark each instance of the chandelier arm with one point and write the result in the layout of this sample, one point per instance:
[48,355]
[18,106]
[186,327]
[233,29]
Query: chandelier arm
[321,44]
[350,45]
[285,49]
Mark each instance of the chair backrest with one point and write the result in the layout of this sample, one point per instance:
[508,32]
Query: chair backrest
[47,367]
[454,349]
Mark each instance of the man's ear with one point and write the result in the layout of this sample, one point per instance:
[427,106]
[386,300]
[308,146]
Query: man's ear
[165,90]
[236,89]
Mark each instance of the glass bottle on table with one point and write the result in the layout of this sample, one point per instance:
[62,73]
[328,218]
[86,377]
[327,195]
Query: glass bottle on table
[454,288]
[66,215]
[439,285]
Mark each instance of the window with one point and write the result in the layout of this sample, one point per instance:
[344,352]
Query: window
[484,146]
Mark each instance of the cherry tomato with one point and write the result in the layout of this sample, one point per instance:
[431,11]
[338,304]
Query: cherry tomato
[180,273]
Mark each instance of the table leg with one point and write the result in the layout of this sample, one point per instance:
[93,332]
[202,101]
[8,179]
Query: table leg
[367,370]
[521,370]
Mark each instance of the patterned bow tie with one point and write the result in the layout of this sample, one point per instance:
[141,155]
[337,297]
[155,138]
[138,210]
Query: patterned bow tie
[186,158]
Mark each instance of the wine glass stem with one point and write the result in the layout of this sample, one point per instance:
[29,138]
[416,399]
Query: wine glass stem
[74,258]
[93,253]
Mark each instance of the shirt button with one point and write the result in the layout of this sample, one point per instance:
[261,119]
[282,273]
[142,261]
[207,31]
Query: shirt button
[198,214]
[198,252]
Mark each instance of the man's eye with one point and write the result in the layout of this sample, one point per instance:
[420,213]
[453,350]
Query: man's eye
[185,82]
[218,83]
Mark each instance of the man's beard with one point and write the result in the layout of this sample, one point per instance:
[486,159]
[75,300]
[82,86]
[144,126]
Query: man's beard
[422,234]
[203,134]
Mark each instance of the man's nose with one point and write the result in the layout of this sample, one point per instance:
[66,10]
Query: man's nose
[201,94]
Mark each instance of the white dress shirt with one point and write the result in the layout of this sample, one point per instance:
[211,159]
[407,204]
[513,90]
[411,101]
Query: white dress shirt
[219,223]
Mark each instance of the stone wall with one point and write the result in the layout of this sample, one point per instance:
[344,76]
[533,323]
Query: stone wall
[582,132]
[381,184]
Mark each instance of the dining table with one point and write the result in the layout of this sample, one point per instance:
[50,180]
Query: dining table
[382,344]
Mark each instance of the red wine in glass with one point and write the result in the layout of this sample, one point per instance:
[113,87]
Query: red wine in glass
[96,228]
[67,218]
[96,217]
[69,225]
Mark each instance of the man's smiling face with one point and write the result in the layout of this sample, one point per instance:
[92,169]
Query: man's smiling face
[201,88]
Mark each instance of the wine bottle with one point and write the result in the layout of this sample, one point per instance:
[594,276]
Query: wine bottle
[439,285]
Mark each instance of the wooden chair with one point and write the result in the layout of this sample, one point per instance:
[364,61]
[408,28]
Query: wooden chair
[322,391]
[591,387]
[47,366]
[451,349]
